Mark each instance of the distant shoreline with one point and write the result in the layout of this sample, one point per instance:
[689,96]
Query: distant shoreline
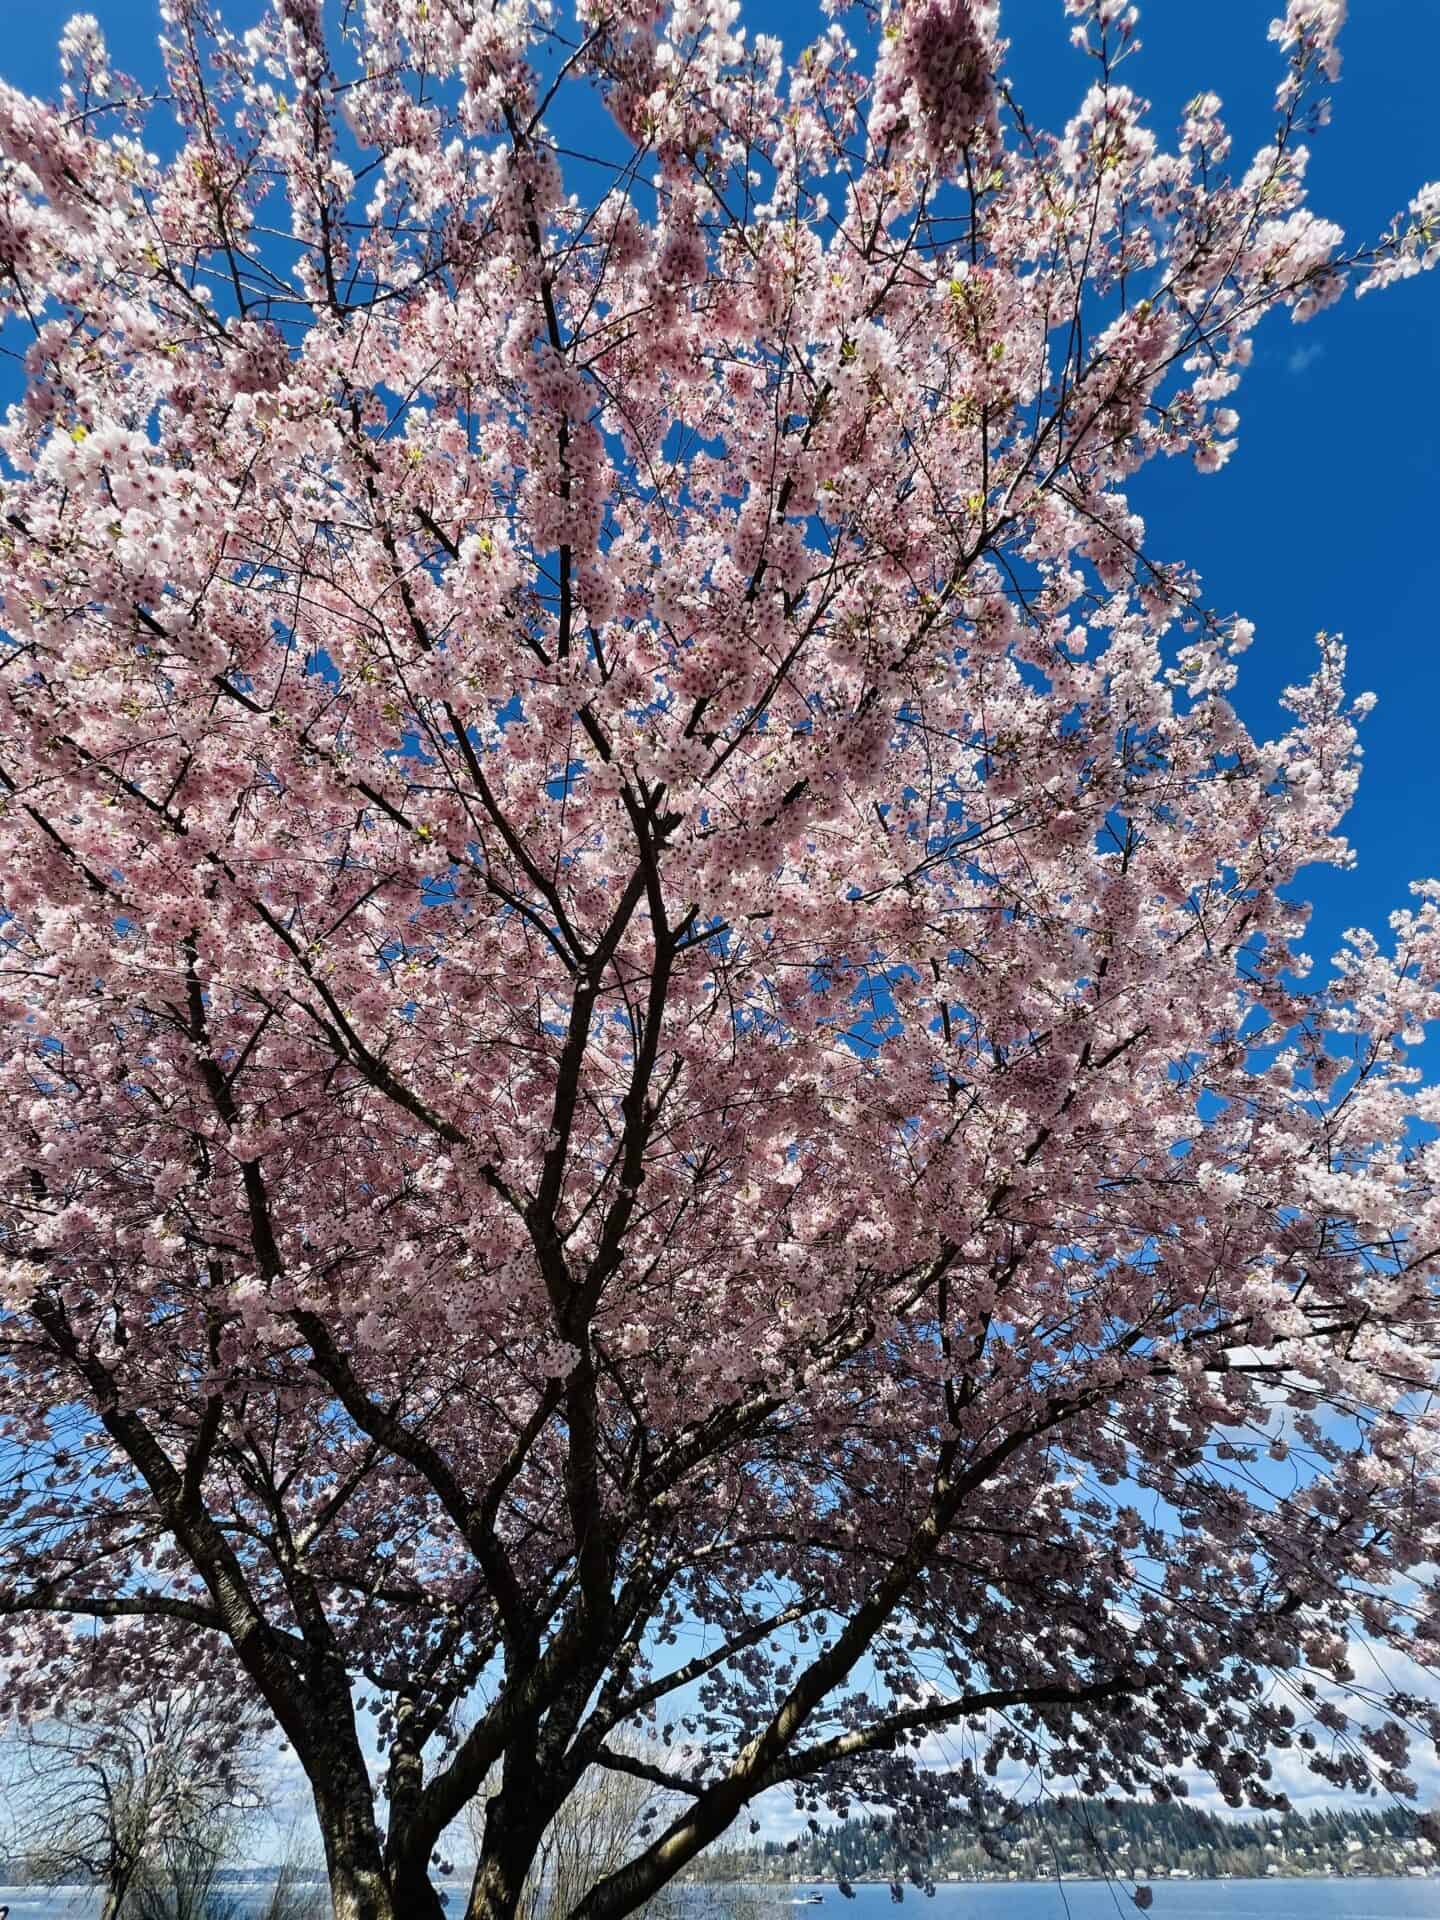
[1047,1880]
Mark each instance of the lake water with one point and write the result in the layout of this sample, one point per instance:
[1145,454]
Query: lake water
[1010,1900]
[1182,1899]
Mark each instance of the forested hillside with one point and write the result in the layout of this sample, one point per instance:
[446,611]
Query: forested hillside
[1132,1841]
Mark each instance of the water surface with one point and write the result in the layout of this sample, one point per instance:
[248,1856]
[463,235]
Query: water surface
[1006,1900]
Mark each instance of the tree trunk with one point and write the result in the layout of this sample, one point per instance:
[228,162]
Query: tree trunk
[124,1865]
[413,1895]
[511,1838]
[358,1895]
[359,1886]
[495,1891]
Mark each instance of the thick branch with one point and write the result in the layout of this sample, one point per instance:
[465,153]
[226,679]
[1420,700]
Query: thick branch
[129,1606]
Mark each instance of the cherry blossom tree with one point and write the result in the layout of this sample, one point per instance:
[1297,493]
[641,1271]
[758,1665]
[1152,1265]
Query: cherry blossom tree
[661,1096]
[106,1791]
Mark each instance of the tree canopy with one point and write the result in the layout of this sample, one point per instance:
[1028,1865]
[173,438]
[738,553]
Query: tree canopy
[660,1081]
